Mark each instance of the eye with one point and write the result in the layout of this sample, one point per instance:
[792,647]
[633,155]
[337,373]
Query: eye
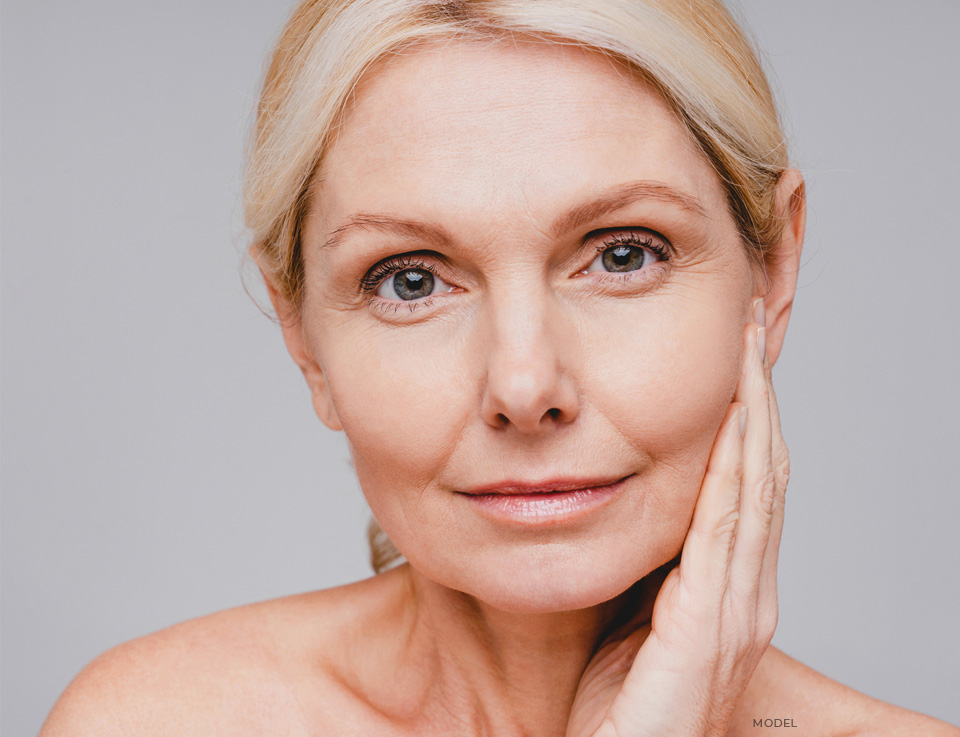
[626,252]
[405,279]
[411,284]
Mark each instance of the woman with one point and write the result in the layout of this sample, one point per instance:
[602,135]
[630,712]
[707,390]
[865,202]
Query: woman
[536,260]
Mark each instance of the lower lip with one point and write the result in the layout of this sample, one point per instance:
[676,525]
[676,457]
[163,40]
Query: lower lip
[550,508]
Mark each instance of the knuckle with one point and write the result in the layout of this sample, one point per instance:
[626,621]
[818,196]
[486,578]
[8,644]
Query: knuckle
[768,495]
[781,469]
[726,527]
[763,495]
[721,536]
[720,532]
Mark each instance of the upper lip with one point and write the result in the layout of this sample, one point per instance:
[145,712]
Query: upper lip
[543,487]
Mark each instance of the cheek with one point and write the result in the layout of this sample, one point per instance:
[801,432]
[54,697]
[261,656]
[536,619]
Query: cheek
[665,384]
[401,396]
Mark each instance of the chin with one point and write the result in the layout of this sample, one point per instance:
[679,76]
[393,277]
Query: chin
[543,578]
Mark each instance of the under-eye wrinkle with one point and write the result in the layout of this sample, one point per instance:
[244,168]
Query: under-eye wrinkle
[393,306]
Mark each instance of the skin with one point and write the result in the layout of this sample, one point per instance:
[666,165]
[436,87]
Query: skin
[527,362]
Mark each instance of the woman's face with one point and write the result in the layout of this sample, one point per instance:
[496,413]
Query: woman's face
[564,297]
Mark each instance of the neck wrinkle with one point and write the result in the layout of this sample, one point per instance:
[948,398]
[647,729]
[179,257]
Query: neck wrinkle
[513,674]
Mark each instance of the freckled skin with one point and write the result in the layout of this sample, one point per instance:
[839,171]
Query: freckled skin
[493,146]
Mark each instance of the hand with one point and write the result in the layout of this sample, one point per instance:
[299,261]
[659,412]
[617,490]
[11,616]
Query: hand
[682,671]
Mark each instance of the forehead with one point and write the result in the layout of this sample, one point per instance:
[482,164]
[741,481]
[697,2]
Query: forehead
[517,128]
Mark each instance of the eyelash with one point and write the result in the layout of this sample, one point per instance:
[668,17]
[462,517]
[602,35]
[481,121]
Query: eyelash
[641,240]
[372,279]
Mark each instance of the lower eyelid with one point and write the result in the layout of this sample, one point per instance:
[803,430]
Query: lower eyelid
[638,278]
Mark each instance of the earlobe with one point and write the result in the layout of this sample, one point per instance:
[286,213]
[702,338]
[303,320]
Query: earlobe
[784,262]
[291,324]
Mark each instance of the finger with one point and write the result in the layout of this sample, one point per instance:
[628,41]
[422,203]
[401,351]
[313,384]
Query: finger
[758,487]
[780,458]
[709,543]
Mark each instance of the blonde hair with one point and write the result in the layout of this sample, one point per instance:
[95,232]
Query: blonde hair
[693,52]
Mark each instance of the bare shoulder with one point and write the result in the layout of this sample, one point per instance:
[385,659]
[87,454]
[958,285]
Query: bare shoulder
[265,668]
[785,693]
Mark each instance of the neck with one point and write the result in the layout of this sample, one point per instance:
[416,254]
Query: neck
[500,672]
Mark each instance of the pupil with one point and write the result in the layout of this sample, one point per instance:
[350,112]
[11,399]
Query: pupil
[623,258]
[413,284]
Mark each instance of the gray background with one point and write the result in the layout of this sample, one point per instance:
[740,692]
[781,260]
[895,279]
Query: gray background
[160,456]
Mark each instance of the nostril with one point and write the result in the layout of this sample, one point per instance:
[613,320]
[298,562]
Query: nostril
[553,412]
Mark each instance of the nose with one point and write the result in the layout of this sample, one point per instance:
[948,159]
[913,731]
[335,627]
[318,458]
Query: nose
[530,347]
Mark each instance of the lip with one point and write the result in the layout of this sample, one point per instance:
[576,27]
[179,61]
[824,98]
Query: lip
[544,503]
[544,487]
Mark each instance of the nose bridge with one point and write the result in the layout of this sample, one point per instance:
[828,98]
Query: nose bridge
[520,312]
[529,384]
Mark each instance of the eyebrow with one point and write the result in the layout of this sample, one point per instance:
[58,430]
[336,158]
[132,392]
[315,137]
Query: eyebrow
[613,199]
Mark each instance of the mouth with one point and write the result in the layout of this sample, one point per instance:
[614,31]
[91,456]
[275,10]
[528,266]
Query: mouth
[547,503]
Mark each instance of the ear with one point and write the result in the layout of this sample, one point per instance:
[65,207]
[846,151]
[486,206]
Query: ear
[291,322]
[784,263]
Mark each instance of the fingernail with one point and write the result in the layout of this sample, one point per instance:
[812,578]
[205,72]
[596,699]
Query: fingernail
[762,344]
[759,312]
[743,422]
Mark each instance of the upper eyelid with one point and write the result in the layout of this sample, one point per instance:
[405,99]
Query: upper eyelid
[602,241]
